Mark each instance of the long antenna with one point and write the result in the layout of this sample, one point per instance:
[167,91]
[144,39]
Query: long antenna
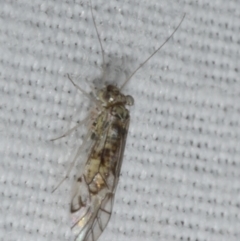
[144,62]
[95,26]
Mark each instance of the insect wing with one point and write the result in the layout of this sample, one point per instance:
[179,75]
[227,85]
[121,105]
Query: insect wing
[91,209]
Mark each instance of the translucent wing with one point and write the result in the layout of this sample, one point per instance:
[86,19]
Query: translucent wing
[94,190]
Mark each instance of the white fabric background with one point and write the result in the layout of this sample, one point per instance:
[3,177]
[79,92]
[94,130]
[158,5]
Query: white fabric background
[181,172]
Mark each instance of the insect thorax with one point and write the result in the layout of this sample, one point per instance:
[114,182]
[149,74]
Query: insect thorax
[113,104]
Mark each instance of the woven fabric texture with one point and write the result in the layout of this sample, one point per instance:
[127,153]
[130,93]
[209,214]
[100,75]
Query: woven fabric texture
[180,179]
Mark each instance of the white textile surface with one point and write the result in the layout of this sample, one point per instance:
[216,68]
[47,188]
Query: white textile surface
[180,178]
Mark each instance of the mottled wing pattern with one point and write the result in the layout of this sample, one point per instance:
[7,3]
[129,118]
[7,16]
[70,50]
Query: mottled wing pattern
[94,190]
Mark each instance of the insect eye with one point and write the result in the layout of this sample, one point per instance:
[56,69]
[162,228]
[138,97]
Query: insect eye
[129,100]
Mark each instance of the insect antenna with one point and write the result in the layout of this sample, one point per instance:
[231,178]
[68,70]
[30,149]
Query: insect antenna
[144,62]
[99,39]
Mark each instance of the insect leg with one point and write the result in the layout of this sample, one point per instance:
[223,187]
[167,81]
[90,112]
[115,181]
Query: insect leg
[72,129]
[83,91]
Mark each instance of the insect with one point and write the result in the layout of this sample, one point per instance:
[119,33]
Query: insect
[95,186]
